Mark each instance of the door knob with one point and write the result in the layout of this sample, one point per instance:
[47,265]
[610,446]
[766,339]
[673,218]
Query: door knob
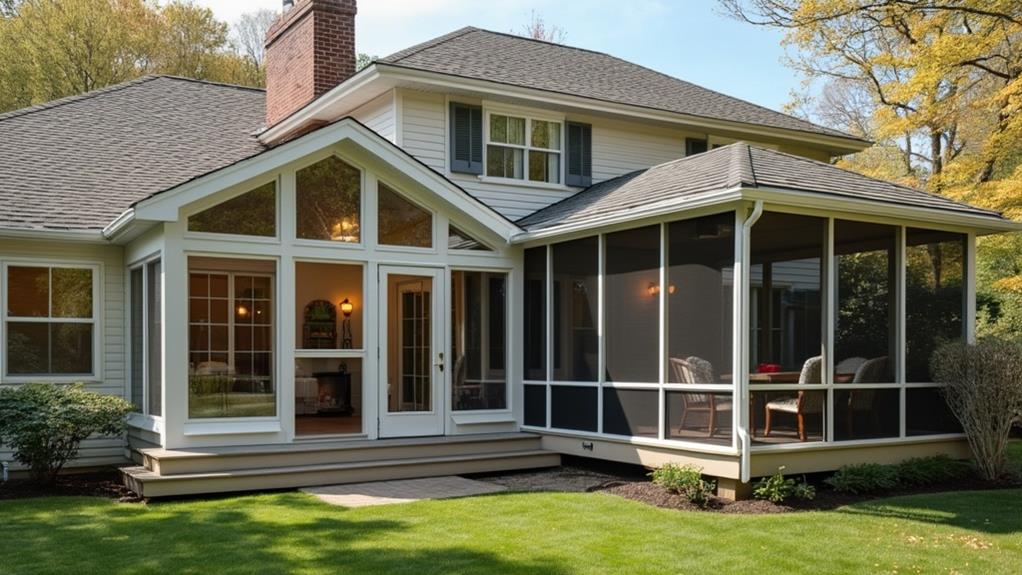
[440,361]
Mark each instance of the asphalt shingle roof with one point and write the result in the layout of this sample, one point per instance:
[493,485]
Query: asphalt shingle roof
[509,59]
[738,165]
[79,162]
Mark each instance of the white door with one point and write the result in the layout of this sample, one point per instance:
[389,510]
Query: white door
[411,351]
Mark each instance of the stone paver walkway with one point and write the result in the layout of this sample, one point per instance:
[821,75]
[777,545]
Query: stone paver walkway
[401,491]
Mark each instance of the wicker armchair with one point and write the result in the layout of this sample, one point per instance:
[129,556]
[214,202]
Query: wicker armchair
[802,404]
[695,370]
[871,371]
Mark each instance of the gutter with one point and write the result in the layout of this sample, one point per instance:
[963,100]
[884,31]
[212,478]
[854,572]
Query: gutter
[745,455]
[119,224]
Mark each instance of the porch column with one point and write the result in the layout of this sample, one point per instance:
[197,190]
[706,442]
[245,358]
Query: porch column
[175,335]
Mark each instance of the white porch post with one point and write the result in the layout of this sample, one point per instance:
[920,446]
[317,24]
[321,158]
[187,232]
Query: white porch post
[970,288]
[175,335]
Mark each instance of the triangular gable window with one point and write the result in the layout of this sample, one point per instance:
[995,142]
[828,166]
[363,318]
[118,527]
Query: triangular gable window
[253,213]
[459,240]
[403,223]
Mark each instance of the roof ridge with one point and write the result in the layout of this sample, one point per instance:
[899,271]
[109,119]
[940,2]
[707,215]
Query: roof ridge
[740,170]
[209,82]
[861,175]
[50,104]
[432,42]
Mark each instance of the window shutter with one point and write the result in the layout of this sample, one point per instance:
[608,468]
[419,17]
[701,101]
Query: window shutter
[695,146]
[466,138]
[580,155]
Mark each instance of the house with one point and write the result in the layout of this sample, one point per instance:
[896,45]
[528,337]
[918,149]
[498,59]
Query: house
[475,254]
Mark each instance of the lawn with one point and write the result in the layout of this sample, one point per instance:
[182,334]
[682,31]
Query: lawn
[977,532]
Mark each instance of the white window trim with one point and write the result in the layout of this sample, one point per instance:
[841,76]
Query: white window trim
[232,350]
[98,281]
[143,413]
[529,115]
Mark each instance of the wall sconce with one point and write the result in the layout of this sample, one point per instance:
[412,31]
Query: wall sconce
[653,288]
[671,289]
[242,311]
[346,308]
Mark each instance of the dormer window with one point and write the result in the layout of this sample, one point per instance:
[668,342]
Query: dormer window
[523,148]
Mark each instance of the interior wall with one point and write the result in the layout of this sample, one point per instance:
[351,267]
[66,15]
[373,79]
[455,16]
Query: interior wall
[334,283]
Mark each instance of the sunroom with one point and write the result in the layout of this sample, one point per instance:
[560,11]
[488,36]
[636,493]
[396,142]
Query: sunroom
[747,309]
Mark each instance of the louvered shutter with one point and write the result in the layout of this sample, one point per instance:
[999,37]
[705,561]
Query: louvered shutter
[466,138]
[580,155]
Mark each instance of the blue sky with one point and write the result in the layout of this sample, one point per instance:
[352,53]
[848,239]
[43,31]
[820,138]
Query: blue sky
[687,39]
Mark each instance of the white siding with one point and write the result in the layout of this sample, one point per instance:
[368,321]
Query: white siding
[378,115]
[619,147]
[111,326]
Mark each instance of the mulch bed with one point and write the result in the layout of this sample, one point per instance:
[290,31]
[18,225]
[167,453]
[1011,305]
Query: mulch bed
[105,484]
[826,499]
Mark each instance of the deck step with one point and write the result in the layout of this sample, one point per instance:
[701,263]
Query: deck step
[149,483]
[166,462]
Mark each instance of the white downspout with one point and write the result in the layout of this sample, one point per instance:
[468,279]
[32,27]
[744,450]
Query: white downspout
[745,468]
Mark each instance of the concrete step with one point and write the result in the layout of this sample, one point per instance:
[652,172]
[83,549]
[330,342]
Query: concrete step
[148,483]
[166,462]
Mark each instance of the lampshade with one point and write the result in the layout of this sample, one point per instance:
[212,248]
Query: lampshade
[347,307]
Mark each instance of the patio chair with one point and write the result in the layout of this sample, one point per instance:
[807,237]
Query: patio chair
[695,370]
[871,371]
[802,404]
[849,364]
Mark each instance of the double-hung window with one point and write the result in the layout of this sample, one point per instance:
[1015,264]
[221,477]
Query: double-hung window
[50,320]
[523,148]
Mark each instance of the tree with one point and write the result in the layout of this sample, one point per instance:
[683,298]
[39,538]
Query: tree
[250,35]
[537,29]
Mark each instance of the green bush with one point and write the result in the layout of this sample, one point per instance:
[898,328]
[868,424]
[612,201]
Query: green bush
[922,471]
[864,478]
[45,424]
[777,488]
[686,480]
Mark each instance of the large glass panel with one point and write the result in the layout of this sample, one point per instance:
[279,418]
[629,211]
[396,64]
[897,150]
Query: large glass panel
[573,407]
[154,298]
[478,310]
[701,417]
[329,306]
[402,223]
[504,162]
[231,343]
[576,286]
[534,344]
[28,291]
[410,343]
[138,349]
[786,275]
[632,308]
[535,405]
[631,412]
[545,167]
[28,348]
[700,288]
[70,348]
[926,413]
[787,416]
[864,334]
[253,213]
[329,201]
[934,296]
[328,396]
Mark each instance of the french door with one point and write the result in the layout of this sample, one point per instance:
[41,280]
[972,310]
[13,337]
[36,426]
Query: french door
[411,351]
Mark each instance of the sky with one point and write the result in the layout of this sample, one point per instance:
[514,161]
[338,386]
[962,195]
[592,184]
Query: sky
[687,39]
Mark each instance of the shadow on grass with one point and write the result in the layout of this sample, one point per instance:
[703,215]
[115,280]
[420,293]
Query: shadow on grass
[993,512]
[279,534]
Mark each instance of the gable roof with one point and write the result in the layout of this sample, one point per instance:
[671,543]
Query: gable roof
[77,163]
[680,183]
[514,60]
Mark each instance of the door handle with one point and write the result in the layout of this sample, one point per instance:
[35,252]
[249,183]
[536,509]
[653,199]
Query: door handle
[440,361]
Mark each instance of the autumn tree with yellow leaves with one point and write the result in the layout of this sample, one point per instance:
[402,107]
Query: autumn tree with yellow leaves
[937,84]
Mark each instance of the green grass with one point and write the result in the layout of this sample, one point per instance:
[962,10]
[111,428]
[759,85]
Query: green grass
[556,533]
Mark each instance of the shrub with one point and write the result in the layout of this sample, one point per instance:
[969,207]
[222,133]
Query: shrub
[984,391]
[864,478]
[686,480]
[45,424]
[921,471]
[778,488]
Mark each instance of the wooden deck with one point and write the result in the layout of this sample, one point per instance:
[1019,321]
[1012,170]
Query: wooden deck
[226,469]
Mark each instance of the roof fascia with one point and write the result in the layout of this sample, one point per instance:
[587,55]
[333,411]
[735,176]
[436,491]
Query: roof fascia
[398,74]
[78,236]
[817,201]
[166,205]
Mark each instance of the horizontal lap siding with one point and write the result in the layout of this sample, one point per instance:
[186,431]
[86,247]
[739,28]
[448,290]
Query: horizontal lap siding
[378,115]
[98,451]
[423,132]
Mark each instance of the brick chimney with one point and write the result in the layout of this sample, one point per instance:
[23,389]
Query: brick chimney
[310,48]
